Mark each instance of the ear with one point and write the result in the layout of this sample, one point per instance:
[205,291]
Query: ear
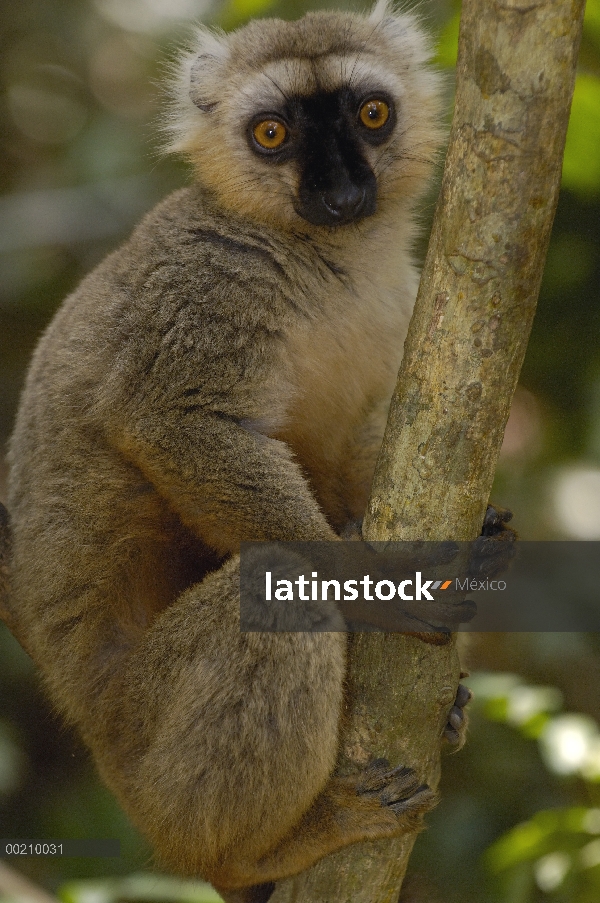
[381,9]
[210,54]
[403,31]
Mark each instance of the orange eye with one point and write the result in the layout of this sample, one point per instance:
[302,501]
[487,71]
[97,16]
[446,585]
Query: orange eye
[269,134]
[374,114]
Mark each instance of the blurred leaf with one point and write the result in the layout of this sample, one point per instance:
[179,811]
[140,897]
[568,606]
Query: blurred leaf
[138,887]
[518,884]
[552,848]
[249,8]
[551,870]
[525,842]
[534,727]
[507,699]
[447,48]
[568,742]
[591,22]
[236,12]
[493,684]
[496,709]
[581,166]
[526,703]
[544,833]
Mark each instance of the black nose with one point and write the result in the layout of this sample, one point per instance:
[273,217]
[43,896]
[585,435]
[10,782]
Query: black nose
[343,203]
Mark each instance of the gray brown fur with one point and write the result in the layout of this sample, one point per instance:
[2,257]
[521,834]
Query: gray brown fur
[223,376]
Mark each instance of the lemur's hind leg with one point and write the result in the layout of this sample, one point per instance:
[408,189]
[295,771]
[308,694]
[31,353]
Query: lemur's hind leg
[379,802]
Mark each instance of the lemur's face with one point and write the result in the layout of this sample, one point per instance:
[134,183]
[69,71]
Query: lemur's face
[329,140]
[324,121]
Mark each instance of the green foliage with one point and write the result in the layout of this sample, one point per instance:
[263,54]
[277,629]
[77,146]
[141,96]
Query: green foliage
[138,888]
[236,12]
[246,8]
[592,22]
[551,836]
[506,698]
[555,854]
[447,47]
[581,165]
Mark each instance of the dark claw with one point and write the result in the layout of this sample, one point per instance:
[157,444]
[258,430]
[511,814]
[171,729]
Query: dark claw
[422,799]
[493,551]
[453,737]
[374,777]
[463,695]
[495,520]
[456,718]
[397,788]
[456,726]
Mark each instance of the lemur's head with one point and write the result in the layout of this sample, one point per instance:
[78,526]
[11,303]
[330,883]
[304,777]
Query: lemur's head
[325,121]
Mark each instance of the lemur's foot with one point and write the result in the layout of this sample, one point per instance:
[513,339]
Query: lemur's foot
[398,789]
[494,550]
[495,521]
[456,729]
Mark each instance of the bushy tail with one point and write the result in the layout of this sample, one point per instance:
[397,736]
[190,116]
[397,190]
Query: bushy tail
[5,556]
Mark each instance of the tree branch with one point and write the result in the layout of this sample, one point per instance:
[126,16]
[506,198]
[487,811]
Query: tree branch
[463,354]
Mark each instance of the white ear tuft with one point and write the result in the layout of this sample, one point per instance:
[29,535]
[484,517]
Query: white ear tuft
[211,51]
[381,9]
[194,83]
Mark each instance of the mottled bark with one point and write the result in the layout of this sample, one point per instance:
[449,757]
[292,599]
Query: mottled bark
[463,354]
